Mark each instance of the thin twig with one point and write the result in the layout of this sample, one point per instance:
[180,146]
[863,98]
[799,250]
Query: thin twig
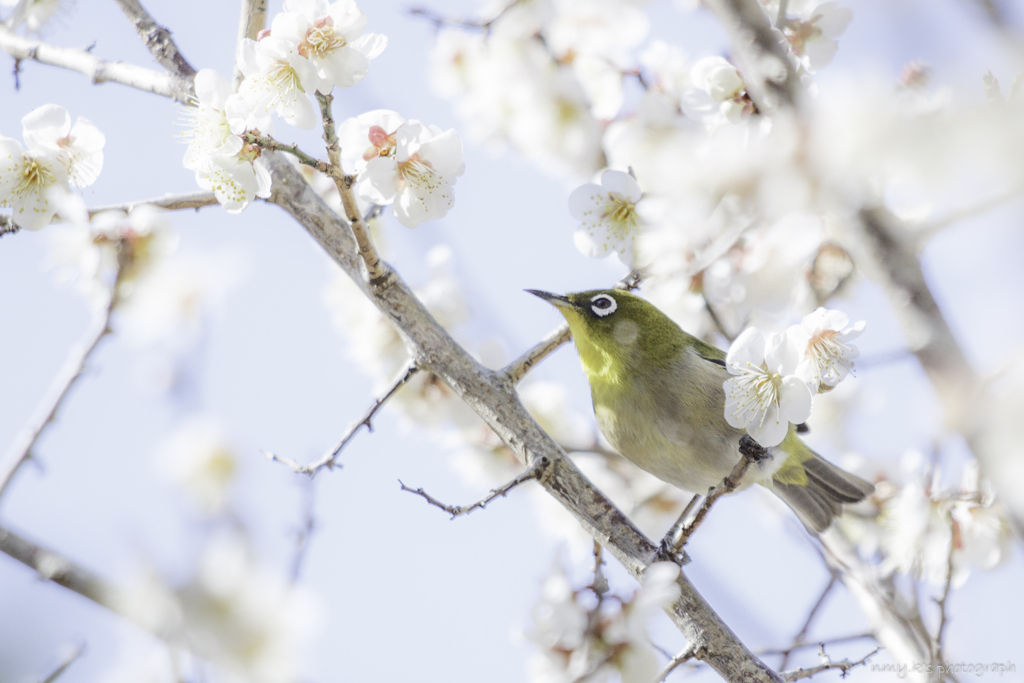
[375,268]
[928,229]
[826,665]
[750,452]
[98,70]
[440,20]
[65,662]
[252,20]
[330,460]
[716,320]
[169,202]
[954,529]
[681,658]
[518,368]
[157,39]
[21,449]
[600,583]
[254,137]
[534,471]
[818,643]
[799,637]
[305,532]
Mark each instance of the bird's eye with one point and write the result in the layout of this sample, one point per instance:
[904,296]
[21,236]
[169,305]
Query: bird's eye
[603,305]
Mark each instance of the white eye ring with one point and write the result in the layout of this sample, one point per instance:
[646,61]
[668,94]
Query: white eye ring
[605,309]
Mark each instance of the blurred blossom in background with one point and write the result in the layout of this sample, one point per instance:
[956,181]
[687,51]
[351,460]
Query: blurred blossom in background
[554,144]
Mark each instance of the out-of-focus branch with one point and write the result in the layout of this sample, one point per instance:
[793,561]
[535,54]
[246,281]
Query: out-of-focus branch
[534,471]
[56,568]
[946,590]
[493,397]
[158,40]
[374,266]
[762,54]
[897,625]
[827,665]
[8,226]
[65,662]
[252,20]
[98,70]
[21,448]
[892,261]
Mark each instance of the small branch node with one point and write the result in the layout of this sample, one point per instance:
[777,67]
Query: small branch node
[534,471]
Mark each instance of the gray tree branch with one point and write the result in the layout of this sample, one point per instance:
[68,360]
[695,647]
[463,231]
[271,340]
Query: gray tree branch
[252,20]
[98,70]
[158,40]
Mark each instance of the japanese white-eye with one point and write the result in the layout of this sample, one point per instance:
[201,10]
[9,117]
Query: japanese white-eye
[659,400]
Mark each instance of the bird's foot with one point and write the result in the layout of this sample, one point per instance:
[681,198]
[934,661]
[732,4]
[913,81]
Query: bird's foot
[667,550]
[754,451]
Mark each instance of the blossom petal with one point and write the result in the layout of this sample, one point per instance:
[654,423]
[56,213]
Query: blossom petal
[794,400]
[746,349]
[622,185]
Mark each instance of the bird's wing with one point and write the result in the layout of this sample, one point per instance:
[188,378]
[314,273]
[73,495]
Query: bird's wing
[709,353]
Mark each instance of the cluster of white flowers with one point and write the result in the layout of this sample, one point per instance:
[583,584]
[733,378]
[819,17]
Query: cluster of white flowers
[586,634]
[774,379]
[405,163]
[199,457]
[36,183]
[237,613]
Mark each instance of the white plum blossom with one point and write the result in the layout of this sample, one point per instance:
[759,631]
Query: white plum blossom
[765,395]
[78,148]
[331,38]
[278,79]
[718,93]
[605,28]
[33,184]
[416,172]
[609,216]
[823,339]
[32,13]
[200,458]
[368,136]
[811,28]
[222,161]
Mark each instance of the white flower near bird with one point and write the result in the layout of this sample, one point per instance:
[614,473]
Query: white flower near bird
[608,213]
[416,171]
[765,395]
[78,148]
[331,38]
[823,338]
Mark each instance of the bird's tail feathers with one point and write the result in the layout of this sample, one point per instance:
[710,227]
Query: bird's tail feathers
[827,488]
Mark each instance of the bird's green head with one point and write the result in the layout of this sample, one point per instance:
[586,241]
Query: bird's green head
[615,330]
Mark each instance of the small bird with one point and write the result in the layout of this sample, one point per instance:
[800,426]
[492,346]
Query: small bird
[659,401]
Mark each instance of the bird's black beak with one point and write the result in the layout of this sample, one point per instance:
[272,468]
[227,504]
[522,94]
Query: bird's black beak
[553,299]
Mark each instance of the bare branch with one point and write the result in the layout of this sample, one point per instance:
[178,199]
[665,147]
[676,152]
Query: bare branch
[330,460]
[818,643]
[21,448]
[750,452]
[674,663]
[798,639]
[518,368]
[66,661]
[440,20]
[954,541]
[375,268]
[769,73]
[170,202]
[55,568]
[98,70]
[157,39]
[492,396]
[826,665]
[534,471]
[252,20]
